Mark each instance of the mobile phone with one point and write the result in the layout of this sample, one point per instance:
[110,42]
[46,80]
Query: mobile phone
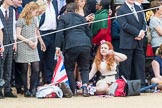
[92,14]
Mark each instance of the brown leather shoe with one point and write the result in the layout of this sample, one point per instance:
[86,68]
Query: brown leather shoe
[66,90]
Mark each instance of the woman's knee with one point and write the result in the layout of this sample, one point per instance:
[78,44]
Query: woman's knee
[155,80]
[102,87]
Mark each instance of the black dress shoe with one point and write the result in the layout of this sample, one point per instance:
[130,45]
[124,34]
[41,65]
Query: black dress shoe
[33,92]
[10,94]
[1,95]
[85,91]
[20,91]
[75,92]
[13,84]
[27,94]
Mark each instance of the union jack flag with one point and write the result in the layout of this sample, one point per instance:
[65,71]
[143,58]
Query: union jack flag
[59,74]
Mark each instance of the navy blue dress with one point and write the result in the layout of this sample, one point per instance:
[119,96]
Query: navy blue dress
[159,60]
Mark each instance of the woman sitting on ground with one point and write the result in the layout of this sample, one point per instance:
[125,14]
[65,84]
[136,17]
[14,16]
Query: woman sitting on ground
[157,67]
[105,62]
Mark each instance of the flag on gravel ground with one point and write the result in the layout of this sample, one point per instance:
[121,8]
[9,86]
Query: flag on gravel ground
[59,74]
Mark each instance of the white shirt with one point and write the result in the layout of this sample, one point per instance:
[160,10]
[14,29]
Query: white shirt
[1,25]
[61,3]
[50,18]
[14,20]
[129,5]
[138,4]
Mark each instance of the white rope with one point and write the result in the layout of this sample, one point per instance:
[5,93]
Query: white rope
[82,25]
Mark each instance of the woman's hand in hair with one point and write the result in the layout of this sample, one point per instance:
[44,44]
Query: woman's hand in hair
[110,52]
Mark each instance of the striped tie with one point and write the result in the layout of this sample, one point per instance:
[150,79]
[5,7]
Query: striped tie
[6,16]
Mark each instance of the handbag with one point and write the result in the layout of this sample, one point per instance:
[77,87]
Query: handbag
[133,87]
[120,90]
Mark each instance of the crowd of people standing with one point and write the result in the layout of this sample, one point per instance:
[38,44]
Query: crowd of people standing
[29,42]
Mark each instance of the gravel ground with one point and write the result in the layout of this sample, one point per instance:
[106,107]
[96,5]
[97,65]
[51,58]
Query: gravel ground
[147,100]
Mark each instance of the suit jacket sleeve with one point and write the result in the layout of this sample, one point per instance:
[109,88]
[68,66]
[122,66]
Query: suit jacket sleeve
[125,24]
[144,24]
[115,30]
[88,32]
[59,41]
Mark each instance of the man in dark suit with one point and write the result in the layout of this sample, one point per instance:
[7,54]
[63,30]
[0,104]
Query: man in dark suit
[133,28]
[139,3]
[47,25]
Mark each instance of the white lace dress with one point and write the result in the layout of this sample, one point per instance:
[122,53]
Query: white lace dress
[107,76]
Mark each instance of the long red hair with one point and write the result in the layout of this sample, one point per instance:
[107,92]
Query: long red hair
[109,58]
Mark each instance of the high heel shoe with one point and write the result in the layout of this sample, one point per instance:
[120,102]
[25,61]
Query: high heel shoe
[85,91]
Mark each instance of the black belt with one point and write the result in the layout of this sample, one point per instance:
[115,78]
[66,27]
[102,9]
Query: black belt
[103,77]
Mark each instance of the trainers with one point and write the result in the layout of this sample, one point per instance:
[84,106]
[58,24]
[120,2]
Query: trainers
[66,90]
